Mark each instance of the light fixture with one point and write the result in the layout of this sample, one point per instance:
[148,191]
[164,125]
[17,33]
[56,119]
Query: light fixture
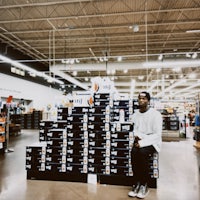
[135,28]
[176,69]
[71,61]
[32,74]
[77,60]
[17,71]
[113,71]
[158,70]
[101,59]
[160,57]
[188,55]
[22,73]
[125,71]
[119,59]
[193,31]
[108,72]
[112,78]
[74,73]
[192,75]
[140,77]
[23,67]
[13,69]
[194,55]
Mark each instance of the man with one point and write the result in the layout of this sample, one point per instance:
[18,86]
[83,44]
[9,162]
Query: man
[148,137]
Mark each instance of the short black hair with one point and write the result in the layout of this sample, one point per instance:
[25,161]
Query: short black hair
[145,94]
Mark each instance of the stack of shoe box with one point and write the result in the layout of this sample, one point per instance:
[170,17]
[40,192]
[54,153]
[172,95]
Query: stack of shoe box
[99,134]
[86,140]
[121,139]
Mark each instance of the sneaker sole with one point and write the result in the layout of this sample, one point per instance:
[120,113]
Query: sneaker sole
[132,195]
[143,196]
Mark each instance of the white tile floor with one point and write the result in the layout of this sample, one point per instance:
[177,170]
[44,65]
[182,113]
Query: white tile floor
[179,176]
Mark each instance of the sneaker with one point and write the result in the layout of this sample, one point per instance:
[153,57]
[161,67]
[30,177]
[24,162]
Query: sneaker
[134,191]
[143,192]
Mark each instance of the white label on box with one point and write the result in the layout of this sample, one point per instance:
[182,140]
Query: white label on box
[92,178]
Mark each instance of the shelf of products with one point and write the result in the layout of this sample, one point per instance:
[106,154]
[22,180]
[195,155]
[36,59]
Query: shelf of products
[27,121]
[2,133]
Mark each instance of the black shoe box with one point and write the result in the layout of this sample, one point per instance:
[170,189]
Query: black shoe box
[46,124]
[78,110]
[56,151]
[123,135]
[77,118]
[102,103]
[76,168]
[105,96]
[77,143]
[100,110]
[119,170]
[97,152]
[102,135]
[35,160]
[94,168]
[120,161]
[66,159]
[122,103]
[73,169]
[116,152]
[39,167]
[55,159]
[63,110]
[77,126]
[99,126]
[77,151]
[116,143]
[55,142]
[95,160]
[118,127]
[77,134]
[56,134]
[35,150]
[99,118]
[61,124]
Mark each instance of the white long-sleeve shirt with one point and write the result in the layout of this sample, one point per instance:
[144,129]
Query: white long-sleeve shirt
[148,127]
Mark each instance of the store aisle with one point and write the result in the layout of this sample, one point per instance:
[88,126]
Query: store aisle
[179,176]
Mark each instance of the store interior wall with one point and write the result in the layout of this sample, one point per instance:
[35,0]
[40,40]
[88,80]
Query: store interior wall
[40,95]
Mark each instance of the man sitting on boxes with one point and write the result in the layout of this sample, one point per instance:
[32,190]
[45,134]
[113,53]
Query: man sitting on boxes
[148,137]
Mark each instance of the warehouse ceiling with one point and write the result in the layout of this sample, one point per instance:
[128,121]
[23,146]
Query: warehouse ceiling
[142,44]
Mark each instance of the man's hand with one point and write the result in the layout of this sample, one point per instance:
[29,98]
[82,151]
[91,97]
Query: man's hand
[136,142]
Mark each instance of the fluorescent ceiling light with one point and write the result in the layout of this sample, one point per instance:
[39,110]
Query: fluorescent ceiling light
[192,75]
[194,55]
[160,57]
[28,69]
[74,73]
[119,59]
[13,69]
[171,87]
[125,71]
[187,88]
[193,31]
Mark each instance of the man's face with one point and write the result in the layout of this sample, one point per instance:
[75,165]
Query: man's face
[143,101]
